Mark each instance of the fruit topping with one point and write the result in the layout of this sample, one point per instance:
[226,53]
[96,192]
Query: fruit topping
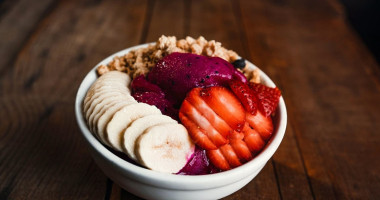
[210,115]
[261,123]
[195,116]
[225,105]
[140,84]
[246,96]
[178,73]
[229,124]
[252,139]
[217,158]
[145,92]
[164,148]
[268,97]
[155,99]
[239,63]
[199,164]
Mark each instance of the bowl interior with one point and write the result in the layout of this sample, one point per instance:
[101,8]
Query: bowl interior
[168,180]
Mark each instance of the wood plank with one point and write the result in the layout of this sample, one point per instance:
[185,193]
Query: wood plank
[17,21]
[330,89]
[42,154]
[168,18]
[217,20]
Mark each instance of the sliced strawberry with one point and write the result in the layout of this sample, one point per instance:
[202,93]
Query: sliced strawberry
[253,140]
[240,147]
[197,134]
[245,94]
[219,124]
[230,155]
[217,159]
[224,103]
[196,117]
[268,97]
[262,124]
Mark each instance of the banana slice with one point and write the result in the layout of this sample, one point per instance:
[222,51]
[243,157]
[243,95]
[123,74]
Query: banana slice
[121,120]
[100,126]
[104,95]
[164,148]
[108,99]
[137,127]
[109,80]
[92,93]
[99,94]
[102,111]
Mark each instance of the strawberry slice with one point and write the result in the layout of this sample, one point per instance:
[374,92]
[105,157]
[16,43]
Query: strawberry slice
[219,124]
[217,159]
[240,147]
[230,155]
[196,133]
[246,96]
[262,124]
[196,117]
[268,97]
[253,140]
[224,103]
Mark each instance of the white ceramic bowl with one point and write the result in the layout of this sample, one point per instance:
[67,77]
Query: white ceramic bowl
[155,185]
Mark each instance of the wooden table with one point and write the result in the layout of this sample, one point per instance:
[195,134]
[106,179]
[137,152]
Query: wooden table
[330,82]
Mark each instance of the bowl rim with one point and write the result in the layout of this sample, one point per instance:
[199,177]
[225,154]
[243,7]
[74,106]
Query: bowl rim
[172,180]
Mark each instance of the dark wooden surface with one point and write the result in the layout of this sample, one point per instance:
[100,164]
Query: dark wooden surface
[330,82]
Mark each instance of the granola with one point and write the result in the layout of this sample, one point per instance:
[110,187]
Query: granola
[142,60]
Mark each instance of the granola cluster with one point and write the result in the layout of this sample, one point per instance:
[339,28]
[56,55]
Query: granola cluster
[142,60]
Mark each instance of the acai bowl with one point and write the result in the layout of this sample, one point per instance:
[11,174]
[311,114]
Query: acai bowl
[150,184]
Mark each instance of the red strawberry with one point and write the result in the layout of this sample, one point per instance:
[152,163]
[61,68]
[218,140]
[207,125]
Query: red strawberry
[240,147]
[246,96]
[224,103]
[197,134]
[217,159]
[218,123]
[210,115]
[195,116]
[253,140]
[230,155]
[262,124]
[268,97]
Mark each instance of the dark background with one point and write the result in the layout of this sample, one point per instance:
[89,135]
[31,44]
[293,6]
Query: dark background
[364,16]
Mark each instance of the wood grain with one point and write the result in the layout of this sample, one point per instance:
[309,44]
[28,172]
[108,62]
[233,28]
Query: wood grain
[42,154]
[333,105]
[18,21]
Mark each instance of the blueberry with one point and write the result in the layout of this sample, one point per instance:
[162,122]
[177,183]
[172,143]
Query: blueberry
[239,63]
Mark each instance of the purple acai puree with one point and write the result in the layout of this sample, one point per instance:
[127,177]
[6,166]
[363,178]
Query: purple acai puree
[178,73]
[198,164]
[151,94]
[140,84]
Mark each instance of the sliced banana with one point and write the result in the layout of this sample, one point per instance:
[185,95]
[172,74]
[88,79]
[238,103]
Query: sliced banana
[137,127]
[100,126]
[164,148]
[103,96]
[93,93]
[99,95]
[110,79]
[121,120]
[108,99]
[117,76]
[103,110]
